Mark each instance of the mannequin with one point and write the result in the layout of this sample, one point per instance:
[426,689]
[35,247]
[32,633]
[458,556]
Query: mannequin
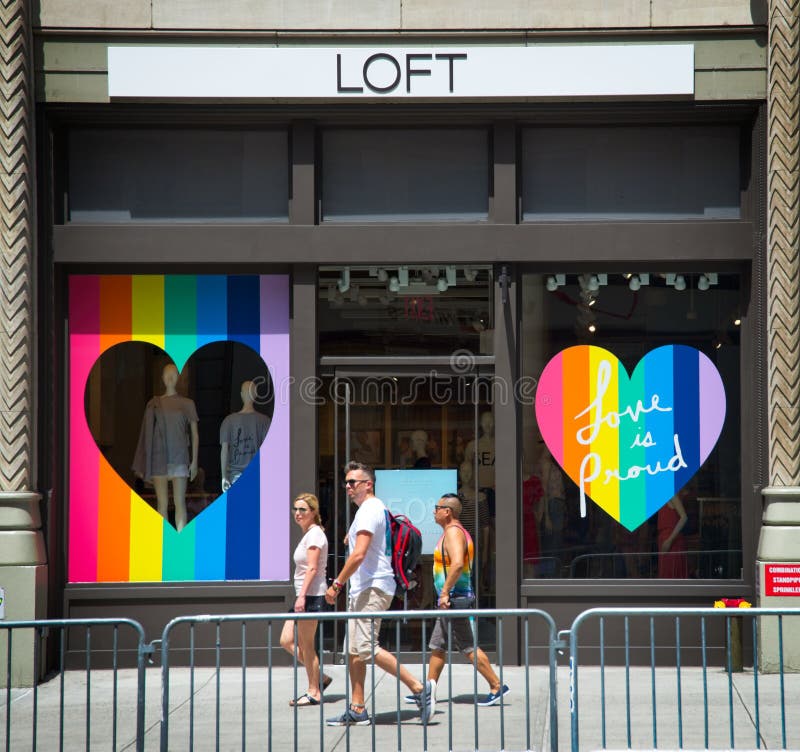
[553,512]
[484,448]
[470,500]
[240,436]
[419,445]
[163,452]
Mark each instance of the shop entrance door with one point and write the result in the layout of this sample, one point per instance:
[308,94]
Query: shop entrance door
[426,431]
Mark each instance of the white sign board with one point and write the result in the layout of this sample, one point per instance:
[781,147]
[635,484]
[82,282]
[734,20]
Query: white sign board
[414,493]
[464,72]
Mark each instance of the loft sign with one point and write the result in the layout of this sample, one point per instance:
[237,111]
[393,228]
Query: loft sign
[383,72]
[466,72]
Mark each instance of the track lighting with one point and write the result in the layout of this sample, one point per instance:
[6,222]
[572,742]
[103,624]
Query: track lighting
[554,281]
[706,280]
[344,280]
[678,281]
[441,284]
[394,284]
[635,281]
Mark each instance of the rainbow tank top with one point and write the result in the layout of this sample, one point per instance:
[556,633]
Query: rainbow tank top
[463,584]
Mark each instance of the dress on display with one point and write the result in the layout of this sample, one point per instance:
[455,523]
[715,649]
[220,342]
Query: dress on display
[163,448]
[673,564]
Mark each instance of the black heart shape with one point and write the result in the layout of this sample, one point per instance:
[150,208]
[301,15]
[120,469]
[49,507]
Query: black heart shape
[126,376]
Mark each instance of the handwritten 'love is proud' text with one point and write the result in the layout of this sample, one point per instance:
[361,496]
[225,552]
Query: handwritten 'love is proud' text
[591,467]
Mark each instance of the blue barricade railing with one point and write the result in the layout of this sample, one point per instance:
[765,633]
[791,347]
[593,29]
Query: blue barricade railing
[638,678]
[263,712]
[67,721]
[691,664]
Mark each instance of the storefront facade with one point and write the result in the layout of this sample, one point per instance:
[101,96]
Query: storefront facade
[413,236]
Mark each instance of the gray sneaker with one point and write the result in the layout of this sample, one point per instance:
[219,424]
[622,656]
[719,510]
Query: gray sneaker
[426,701]
[350,718]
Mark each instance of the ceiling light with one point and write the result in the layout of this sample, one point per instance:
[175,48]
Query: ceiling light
[394,284]
[737,321]
[592,328]
[450,276]
[383,275]
[680,282]
[707,280]
[441,284]
[344,280]
[470,274]
[554,281]
[594,283]
[634,283]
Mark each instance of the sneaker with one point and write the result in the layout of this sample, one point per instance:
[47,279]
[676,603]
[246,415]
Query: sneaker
[350,718]
[426,701]
[412,699]
[494,697]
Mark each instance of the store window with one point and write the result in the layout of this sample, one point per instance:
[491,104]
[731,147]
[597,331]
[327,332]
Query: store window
[631,447]
[406,310]
[172,175]
[436,174]
[178,436]
[654,172]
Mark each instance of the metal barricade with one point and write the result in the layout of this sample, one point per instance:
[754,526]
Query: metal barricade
[248,702]
[74,726]
[645,706]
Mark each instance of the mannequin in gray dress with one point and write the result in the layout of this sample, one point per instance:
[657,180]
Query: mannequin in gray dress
[240,436]
[163,453]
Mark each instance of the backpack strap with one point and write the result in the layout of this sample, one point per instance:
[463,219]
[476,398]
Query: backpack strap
[444,562]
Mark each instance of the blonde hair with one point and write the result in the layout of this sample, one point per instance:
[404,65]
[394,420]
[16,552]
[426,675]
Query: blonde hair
[313,505]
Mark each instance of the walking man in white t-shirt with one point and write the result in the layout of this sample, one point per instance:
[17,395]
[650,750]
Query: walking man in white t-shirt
[372,586]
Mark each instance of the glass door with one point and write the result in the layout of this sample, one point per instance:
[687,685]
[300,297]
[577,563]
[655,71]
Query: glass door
[426,432]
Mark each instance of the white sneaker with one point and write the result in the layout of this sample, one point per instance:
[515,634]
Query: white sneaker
[412,699]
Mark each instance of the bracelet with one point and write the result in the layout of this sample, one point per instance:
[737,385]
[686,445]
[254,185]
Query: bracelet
[337,586]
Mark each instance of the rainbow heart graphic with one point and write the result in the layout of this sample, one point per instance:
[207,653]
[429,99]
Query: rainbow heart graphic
[630,443]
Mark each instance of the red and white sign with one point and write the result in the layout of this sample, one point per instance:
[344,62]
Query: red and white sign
[782,579]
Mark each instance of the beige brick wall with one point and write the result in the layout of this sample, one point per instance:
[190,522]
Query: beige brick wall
[395,15]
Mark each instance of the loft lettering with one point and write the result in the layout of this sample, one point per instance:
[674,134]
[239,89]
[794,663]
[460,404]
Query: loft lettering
[383,73]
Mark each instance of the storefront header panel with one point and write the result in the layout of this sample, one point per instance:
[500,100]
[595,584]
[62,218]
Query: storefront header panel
[463,72]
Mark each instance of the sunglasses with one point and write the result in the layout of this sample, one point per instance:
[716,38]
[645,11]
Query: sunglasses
[352,482]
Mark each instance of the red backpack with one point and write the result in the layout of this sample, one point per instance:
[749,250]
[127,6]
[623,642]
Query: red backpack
[404,547]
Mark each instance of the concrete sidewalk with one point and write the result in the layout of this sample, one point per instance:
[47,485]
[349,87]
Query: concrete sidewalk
[264,720]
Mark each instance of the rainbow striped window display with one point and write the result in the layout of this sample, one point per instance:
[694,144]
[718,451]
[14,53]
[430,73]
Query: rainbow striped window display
[114,534]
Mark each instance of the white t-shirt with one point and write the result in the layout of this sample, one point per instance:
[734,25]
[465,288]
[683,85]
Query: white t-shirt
[314,538]
[376,569]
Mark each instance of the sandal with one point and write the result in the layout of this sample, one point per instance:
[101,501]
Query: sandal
[304,701]
[326,681]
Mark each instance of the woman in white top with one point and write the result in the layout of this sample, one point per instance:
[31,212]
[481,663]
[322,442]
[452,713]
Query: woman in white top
[309,585]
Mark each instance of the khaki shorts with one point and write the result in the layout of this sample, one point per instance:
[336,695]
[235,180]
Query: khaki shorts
[360,631]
